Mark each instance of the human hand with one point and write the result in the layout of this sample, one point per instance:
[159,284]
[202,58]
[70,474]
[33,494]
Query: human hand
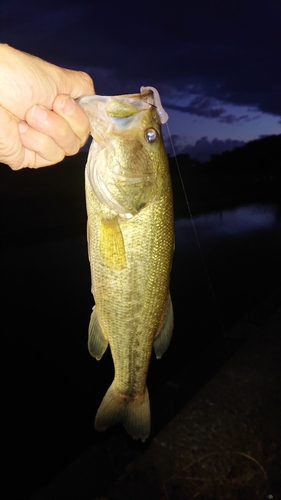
[40,122]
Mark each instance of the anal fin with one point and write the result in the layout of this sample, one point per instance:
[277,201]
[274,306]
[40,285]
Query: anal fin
[97,344]
[162,341]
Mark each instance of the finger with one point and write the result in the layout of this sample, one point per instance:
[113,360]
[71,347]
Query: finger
[73,83]
[54,126]
[40,149]
[40,81]
[11,149]
[34,160]
[66,107]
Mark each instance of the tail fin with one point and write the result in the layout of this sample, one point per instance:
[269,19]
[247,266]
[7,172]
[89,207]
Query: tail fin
[134,414]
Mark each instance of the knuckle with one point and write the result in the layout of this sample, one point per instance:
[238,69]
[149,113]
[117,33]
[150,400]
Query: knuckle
[89,84]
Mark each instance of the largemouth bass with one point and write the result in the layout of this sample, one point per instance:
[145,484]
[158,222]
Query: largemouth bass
[130,244]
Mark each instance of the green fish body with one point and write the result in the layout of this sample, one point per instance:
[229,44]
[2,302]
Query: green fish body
[130,244]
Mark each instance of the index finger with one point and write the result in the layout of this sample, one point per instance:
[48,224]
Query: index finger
[66,107]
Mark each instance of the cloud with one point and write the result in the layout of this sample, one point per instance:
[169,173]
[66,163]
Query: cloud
[203,149]
[230,50]
[208,107]
[201,106]
[230,118]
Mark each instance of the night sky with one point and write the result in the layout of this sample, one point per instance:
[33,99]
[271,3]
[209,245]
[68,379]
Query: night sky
[216,63]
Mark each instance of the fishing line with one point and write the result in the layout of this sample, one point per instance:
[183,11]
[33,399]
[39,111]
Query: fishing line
[196,236]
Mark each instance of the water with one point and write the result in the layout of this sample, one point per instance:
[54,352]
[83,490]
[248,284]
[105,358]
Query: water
[230,223]
[53,386]
[240,249]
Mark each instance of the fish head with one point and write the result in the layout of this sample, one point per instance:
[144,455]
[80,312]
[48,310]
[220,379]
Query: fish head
[126,151]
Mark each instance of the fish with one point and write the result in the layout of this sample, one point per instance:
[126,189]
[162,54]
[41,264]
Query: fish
[130,233]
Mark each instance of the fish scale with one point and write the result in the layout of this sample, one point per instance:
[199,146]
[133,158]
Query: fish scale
[130,257]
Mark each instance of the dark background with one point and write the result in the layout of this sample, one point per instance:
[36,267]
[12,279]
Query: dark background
[52,386]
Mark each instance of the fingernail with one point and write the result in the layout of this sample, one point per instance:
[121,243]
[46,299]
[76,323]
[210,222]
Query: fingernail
[39,113]
[22,127]
[68,106]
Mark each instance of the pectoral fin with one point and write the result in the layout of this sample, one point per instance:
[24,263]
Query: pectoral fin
[97,344]
[112,246]
[162,341]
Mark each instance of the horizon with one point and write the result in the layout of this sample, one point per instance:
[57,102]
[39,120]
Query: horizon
[199,154]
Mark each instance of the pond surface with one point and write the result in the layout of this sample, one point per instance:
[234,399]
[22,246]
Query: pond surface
[53,386]
[234,223]
[236,252]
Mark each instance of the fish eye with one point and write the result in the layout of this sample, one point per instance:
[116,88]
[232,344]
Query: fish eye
[151,135]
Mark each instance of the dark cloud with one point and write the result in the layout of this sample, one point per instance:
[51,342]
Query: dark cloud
[208,108]
[229,50]
[201,106]
[229,118]
[203,149]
